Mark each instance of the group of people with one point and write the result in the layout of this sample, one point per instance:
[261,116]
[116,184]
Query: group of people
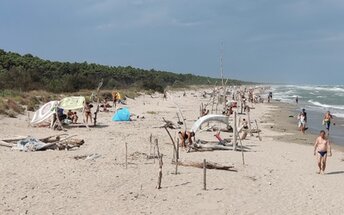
[322,146]
[302,121]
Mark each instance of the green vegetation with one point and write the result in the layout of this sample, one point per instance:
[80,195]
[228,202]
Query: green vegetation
[27,73]
[27,81]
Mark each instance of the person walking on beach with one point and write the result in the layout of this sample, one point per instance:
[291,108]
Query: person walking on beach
[302,122]
[327,121]
[302,117]
[297,100]
[322,146]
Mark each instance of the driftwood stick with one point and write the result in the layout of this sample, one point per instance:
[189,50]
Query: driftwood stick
[177,148]
[249,121]
[258,131]
[150,144]
[63,140]
[178,108]
[210,165]
[169,134]
[210,147]
[204,174]
[3,143]
[242,151]
[14,139]
[235,131]
[160,172]
[126,155]
[47,139]
[177,157]
[157,147]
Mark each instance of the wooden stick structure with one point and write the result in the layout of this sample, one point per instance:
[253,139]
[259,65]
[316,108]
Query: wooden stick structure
[126,155]
[242,151]
[150,143]
[204,174]
[177,156]
[160,172]
[258,131]
[235,130]
[210,165]
[173,143]
[179,110]
[249,121]
[160,164]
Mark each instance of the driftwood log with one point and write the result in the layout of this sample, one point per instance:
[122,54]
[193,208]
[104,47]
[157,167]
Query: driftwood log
[209,147]
[52,142]
[209,165]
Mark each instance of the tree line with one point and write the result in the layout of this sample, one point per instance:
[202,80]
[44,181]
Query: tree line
[27,72]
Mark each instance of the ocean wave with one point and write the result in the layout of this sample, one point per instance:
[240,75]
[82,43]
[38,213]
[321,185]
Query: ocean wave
[339,107]
[339,115]
[318,88]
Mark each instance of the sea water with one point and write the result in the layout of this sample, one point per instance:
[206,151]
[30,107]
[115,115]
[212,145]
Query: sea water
[316,100]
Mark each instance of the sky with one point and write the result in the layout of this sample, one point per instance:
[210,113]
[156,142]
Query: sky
[279,41]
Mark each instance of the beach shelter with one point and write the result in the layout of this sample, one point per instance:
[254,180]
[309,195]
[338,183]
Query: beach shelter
[72,103]
[44,113]
[209,118]
[122,114]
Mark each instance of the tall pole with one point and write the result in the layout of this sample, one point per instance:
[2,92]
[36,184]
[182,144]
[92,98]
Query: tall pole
[221,63]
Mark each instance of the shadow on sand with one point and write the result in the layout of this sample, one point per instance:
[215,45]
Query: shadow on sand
[335,173]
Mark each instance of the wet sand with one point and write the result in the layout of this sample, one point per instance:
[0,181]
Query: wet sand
[283,117]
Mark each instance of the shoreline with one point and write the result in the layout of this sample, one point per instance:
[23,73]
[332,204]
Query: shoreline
[282,121]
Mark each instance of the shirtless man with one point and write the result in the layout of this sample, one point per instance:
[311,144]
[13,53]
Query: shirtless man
[322,147]
[327,121]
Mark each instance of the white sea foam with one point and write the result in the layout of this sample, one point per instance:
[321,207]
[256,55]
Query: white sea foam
[318,88]
[316,103]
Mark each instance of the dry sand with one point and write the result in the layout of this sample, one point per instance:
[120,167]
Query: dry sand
[278,178]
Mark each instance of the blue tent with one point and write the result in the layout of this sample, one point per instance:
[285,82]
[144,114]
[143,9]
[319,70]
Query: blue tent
[122,114]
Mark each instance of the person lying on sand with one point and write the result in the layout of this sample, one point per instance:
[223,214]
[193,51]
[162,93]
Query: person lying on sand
[321,147]
[186,137]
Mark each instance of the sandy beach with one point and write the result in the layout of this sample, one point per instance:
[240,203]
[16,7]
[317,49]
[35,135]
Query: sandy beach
[279,176]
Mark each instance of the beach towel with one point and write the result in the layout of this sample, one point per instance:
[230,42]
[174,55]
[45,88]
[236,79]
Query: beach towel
[72,103]
[29,144]
[122,114]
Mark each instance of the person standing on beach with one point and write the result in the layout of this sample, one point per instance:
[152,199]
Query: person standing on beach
[327,121]
[302,117]
[322,146]
[302,122]
[297,100]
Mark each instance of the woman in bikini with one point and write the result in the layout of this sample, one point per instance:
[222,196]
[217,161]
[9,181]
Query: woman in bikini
[87,110]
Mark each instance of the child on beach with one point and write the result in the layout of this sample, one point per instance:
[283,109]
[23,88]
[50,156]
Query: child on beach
[322,147]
